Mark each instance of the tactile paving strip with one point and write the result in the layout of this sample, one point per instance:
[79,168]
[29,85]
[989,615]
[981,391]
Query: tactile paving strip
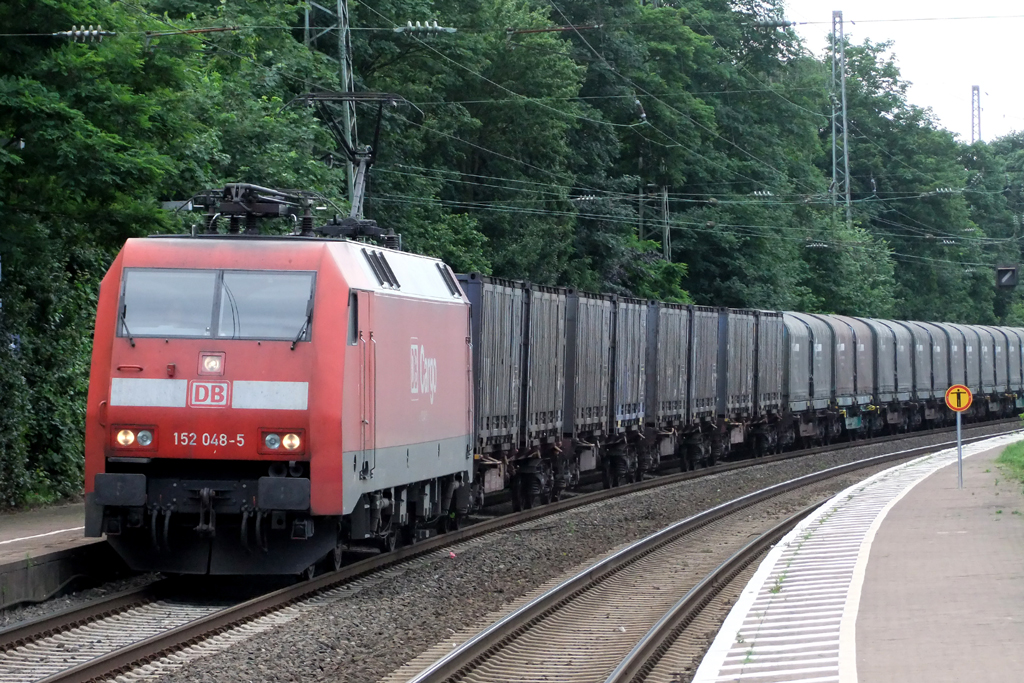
[795,620]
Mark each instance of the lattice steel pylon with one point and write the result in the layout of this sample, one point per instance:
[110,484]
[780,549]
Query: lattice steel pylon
[840,138]
[339,27]
[975,114]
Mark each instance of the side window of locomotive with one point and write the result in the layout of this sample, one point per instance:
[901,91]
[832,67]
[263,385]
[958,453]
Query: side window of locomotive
[266,305]
[167,303]
[353,318]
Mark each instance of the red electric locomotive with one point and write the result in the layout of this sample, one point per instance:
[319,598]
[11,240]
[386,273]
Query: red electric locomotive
[257,404]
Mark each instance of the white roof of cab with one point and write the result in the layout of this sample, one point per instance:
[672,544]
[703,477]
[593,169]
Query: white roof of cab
[417,276]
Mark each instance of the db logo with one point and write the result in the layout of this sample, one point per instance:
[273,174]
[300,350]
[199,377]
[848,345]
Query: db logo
[208,394]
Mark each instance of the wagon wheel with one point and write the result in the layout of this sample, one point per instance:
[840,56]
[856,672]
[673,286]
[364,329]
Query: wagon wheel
[526,493]
[547,495]
[517,500]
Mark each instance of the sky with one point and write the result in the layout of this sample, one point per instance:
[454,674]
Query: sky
[942,59]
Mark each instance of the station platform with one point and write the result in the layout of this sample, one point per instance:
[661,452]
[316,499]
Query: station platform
[38,532]
[44,551]
[901,577]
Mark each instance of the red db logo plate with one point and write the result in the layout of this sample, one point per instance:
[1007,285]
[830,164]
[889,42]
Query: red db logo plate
[209,394]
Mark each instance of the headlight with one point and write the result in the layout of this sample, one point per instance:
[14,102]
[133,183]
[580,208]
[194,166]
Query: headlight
[272,441]
[145,437]
[291,441]
[126,437]
[212,364]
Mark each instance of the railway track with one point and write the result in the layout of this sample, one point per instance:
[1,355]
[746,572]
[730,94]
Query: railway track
[580,630]
[121,632]
[672,644]
[583,628]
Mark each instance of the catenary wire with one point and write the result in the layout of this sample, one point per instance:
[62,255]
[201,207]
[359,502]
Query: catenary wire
[669,106]
[306,81]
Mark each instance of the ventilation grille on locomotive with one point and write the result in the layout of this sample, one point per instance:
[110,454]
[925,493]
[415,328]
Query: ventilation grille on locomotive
[381,268]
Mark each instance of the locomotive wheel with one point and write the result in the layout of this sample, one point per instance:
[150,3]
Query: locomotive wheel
[309,573]
[388,543]
[337,557]
[449,522]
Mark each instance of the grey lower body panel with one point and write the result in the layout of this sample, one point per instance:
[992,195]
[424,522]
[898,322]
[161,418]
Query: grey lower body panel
[403,465]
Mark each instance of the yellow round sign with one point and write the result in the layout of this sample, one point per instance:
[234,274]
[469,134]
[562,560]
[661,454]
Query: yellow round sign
[958,398]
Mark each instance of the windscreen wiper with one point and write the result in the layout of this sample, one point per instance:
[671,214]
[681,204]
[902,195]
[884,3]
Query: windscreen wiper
[305,326]
[131,339]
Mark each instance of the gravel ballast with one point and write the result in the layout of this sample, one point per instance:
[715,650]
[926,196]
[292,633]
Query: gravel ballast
[29,611]
[364,637]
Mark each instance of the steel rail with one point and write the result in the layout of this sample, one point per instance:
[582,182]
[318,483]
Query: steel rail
[466,655]
[25,632]
[635,666]
[183,636]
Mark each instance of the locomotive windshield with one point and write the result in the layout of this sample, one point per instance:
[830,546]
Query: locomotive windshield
[264,305]
[227,304]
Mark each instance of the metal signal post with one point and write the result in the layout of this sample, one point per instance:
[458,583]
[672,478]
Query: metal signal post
[959,399]
[959,455]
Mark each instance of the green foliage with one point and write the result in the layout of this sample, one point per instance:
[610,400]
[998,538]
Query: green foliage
[1012,460]
[92,136]
[530,155]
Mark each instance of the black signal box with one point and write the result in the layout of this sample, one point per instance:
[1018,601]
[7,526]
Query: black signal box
[1006,277]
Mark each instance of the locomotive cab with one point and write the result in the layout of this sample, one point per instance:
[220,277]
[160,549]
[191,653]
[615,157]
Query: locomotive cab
[260,404]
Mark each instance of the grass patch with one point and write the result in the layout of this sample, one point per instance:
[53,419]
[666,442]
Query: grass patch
[1012,460]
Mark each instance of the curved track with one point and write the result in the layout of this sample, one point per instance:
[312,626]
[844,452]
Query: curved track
[150,623]
[567,634]
[663,647]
